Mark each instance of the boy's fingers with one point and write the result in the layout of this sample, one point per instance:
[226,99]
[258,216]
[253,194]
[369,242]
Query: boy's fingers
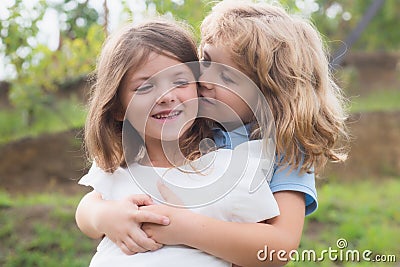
[125,249]
[147,243]
[134,246]
[141,200]
[143,216]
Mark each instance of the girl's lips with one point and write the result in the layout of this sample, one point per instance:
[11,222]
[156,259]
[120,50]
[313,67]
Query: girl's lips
[170,115]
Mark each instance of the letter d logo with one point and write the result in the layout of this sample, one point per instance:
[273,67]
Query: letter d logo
[260,253]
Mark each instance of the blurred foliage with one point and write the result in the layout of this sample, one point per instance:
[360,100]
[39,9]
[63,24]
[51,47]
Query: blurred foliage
[192,11]
[337,18]
[41,71]
[63,115]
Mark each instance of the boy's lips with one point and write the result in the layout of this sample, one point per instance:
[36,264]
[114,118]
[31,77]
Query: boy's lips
[207,100]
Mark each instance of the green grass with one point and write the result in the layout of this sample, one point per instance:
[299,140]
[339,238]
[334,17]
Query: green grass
[366,214]
[62,115]
[385,100]
[40,230]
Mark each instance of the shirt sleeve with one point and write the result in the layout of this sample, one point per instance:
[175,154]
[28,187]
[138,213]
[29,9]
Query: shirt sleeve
[99,180]
[253,207]
[284,179]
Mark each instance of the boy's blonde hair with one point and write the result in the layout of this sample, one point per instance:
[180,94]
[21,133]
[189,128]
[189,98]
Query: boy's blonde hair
[124,51]
[284,55]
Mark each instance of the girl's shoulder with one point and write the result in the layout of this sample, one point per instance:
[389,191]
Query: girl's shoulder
[102,181]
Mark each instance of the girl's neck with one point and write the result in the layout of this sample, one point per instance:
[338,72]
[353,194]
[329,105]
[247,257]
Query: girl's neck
[163,153]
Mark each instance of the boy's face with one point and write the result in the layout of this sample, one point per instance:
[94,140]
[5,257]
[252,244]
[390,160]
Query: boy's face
[227,95]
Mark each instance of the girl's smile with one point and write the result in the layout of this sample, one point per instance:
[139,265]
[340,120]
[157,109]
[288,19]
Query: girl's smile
[167,115]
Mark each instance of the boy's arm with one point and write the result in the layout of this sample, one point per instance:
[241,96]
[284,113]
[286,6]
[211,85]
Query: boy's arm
[239,243]
[119,220]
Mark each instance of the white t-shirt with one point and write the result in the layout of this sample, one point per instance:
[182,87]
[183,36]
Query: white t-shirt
[228,185]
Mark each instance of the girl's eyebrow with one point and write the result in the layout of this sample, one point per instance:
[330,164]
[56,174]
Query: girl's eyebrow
[145,78]
[140,79]
[179,73]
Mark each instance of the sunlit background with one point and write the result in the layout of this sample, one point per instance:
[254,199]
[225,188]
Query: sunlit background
[48,50]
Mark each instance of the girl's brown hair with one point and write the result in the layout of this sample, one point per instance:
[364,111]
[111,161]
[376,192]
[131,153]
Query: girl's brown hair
[125,51]
[284,55]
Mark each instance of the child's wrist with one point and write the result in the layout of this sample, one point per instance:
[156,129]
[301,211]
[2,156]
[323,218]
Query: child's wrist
[100,216]
[190,227]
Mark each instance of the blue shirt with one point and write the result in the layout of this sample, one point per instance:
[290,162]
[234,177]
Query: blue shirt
[282,178]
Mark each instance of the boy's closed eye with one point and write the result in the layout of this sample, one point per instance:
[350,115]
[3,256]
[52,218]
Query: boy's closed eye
[225,77]
[205,62]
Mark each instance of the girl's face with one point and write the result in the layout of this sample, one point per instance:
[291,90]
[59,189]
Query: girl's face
[160,98]
[227,95]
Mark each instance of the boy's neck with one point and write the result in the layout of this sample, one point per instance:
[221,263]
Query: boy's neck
[230,126]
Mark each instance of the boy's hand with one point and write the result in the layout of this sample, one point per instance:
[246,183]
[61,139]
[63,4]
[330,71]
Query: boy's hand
[121,221]
[172,233]
[167,235]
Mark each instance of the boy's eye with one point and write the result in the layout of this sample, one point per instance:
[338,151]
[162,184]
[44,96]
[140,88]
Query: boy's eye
[144,88]
[226,78]
[206,63]
[181,83]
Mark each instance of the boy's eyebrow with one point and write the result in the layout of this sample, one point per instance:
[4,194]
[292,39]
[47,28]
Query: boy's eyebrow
[231,70]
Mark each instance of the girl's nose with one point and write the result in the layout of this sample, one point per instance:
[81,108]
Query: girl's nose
[168,96]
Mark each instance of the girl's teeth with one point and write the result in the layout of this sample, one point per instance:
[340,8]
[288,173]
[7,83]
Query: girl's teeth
[159,116]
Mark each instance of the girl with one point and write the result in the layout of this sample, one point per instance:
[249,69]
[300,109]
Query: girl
[136,121]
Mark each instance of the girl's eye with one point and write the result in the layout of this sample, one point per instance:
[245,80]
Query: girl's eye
[181,83]
[226,78]
[205,63]
[144,88]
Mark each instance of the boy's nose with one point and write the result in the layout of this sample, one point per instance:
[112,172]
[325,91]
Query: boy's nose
[206,86]
[203,88]
[207,90]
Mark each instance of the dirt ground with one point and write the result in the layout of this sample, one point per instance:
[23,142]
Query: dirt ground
[374,149]
[48,163]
